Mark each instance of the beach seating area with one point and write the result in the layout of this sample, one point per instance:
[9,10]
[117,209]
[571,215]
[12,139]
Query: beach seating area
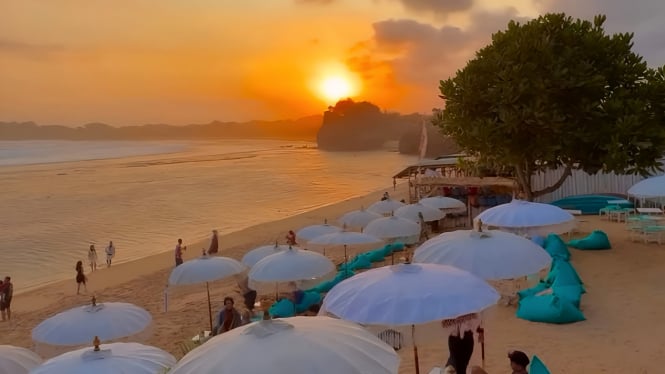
[577,294]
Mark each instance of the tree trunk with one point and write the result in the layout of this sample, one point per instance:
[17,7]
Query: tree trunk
[566,173]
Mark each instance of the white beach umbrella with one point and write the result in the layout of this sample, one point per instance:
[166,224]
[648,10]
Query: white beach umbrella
[114,358]
[409,295]
[411,212]
[76,326]
[298,345]
[310,232]
[257,254]
[346,239]
[444,203]
[205,269]
[394,228]
[291,265]
[649,188]
[17,360]
[385,207]
[525,217]
[491,255]
[359,218]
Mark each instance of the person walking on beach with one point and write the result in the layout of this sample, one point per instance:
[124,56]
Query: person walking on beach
[110,253]
[92,258]
[178,252]
[214,243]
[80,278]
[6,296]
[291,238]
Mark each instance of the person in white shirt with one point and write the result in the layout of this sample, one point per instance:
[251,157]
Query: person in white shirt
[110,253]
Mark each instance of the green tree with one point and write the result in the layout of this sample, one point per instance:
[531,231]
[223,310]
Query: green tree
[557,92]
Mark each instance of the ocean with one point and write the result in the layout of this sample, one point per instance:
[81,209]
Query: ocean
[58,197]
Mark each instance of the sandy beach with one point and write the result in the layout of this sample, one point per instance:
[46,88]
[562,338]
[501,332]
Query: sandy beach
[622,334]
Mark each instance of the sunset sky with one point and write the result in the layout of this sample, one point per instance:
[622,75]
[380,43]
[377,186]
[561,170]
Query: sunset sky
[127,62]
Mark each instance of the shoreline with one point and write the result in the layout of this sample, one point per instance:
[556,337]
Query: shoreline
[136,268]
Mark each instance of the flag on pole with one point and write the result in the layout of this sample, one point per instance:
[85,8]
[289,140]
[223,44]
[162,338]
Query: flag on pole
[422,147]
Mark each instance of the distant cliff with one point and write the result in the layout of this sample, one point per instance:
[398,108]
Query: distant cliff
[360,126]
[304,128]
[356,126]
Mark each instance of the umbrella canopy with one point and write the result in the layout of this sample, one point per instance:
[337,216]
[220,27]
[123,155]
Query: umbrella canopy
[409,294]
[345,238]
[444,203]
[649,188]
[114,358]
[291,265]
[78,325]
[310,232]
[298,345]
[359,218]
[411,212]
[491,255]
[385,207]
[205,269]
[17,360]
[389,228]
[525,217]
[257,254]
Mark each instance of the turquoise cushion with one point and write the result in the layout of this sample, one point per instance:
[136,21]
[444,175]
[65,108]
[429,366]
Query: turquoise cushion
[344,273]
[563,274]
[537,367]
[283,308]
[548,309]
[570,293]
[309,299]
[556,247]
[596,240]
[376,255]
[360,262]
[324,287]
[541,286]
[397,247]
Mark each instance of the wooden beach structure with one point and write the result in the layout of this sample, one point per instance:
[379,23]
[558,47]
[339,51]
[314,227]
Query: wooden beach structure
[443,177]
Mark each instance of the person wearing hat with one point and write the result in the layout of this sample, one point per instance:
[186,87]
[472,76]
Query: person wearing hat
[518,363]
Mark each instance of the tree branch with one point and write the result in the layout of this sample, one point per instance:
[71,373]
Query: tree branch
[566,173]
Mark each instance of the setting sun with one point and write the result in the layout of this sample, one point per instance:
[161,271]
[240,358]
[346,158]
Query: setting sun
[335,88]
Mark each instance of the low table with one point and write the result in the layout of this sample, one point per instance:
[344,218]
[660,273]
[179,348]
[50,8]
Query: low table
[202,339]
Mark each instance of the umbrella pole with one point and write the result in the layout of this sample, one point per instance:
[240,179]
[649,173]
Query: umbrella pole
[415,348]
[346,258]
[209,305]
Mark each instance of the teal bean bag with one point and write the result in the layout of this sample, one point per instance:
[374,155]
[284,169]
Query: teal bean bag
[397,247]
[596,240]
[537,366]
[570,293]
[343,274]
[556,247]
[387,250]
[563,273]
[309,299]
[324,287]
[360,262]
[540,287]
[548,309]
[282,309]
[376,255]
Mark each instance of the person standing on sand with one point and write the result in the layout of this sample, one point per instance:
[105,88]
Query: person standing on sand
[214,243]
[178,252]
[6,296]
[291,238]
[92,258]
[80,278]
[110,253]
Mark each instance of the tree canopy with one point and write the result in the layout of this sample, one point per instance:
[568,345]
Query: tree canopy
[557,92]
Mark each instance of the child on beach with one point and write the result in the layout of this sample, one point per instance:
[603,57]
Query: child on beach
[92,257]
[178,252]
[80,278]
[110,253]
[291,238]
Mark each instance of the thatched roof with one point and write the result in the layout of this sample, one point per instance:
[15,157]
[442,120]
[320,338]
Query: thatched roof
[467,181]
